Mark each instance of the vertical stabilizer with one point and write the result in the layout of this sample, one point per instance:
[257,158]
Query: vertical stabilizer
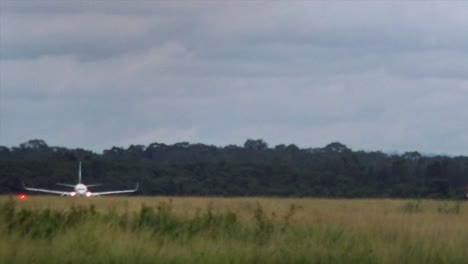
[79,173]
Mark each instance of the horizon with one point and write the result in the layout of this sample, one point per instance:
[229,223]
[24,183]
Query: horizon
[269,146]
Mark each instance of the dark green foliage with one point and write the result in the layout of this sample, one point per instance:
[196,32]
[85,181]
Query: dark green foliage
[7,211]
[288,216]
[213,224]
[44,224]
[412,206]
[450,208]
[254,169]
[159,221]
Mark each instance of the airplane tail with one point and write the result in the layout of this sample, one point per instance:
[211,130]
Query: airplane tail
[79,173]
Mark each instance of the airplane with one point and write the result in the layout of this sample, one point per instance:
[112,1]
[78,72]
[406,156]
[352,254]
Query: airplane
[79,189]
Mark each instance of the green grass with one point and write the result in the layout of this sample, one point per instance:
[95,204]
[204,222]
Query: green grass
[231,230]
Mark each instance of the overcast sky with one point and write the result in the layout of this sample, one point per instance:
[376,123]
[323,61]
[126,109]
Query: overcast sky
[373,75]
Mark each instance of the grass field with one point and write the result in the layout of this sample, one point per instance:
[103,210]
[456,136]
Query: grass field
[44,229]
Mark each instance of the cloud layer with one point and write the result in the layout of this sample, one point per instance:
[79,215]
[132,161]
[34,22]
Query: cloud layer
[373,75]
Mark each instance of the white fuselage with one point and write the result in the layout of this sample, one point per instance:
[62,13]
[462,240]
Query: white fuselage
[81,190]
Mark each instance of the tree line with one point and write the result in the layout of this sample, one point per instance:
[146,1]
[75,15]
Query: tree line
[254,169]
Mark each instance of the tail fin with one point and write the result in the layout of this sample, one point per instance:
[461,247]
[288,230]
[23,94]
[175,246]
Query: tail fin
[79,173]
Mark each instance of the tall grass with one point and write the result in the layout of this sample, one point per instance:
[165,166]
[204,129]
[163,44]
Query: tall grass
[236,230]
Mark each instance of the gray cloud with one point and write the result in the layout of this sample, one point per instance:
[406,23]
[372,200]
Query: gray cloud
[373,75]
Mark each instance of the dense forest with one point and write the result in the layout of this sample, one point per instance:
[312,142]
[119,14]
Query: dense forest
[254,169]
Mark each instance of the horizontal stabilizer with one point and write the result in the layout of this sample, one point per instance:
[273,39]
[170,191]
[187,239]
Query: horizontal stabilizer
[65,184]
[94,185]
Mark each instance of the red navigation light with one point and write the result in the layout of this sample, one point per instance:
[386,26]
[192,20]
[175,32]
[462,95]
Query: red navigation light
[22,196]
[88,194]
[72,193]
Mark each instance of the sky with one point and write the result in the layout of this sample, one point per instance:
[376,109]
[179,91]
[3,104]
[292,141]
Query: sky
[373,75]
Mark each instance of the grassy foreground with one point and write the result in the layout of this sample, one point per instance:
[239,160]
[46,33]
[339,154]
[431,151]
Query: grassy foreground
[45,229]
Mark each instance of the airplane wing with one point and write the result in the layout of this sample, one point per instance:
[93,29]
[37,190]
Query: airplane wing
[115,192]
[63,193]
